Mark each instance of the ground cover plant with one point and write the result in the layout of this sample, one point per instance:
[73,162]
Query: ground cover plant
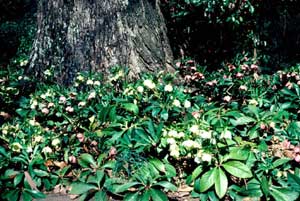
[235,137]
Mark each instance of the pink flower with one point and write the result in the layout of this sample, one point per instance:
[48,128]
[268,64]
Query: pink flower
[297,158]
[297,149]
[45,111]
[286,144]
[254,67]
[72,159]
[50,105]
[244,67]
[178,64]
[239,75]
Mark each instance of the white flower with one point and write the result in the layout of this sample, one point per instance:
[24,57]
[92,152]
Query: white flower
[80,78]
[194,129]
[206,157]
[187,104]
[174,147]
[47,150]
[180,135]
[38,139]
[62,99]
[172,133]
[168,88]
[226,134]
[253,102]
[171,141]
[92,95]
[50,105]
[47,72]
[174,153]
[243,88]
[45,111]
[227,98]
[16,147]
[29,149]
[34,103]
[69,109]
[189,144]
[32,122]
[89,82]
[140,89]
[176,103]
[55,142]
[205,134]
[149,84]
[81,104]
[97,83]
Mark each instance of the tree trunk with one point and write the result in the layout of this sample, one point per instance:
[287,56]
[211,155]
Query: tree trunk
[93,35]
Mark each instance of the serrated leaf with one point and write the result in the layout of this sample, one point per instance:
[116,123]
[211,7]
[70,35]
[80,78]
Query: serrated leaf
[221,183]
[131,107]
[170,171]
[124,187]
[86,160]
[158,164]
[207,180]
[242,121]
[294,181]
[283,194]
[40,173]
[131,196]
[80,188]
[280,162]
[18,179]
[158,195]
[167,185]
[100,195]
[35,194]
[237,169]
[197,172]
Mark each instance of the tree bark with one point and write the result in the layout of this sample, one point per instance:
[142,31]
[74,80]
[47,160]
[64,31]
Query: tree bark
[94,35]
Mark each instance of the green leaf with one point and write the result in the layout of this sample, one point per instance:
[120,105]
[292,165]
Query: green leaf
[146,195]
[221,183]
[158,195]
[294,181]
[252,189]
[131,196]
[283,194]
[40,173]
[131,107]
[99,175]
[18,179]
[167,185]
[124,187]
[280,162]
[10,173]
[100,195]
[197,172]
[265,186]
[164,115]
[80,188]
[207,180]
[237,169]
[242,121]
[170,170]
[158,164]
[35,194]
[86,160]
[238,153]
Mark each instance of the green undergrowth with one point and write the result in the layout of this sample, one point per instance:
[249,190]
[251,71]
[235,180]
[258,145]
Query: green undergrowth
[228,135]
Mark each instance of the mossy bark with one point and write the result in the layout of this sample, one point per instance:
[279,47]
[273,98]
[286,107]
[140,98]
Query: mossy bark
[94,35]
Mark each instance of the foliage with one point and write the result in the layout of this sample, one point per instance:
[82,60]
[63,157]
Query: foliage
[214,31]
[232,134]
